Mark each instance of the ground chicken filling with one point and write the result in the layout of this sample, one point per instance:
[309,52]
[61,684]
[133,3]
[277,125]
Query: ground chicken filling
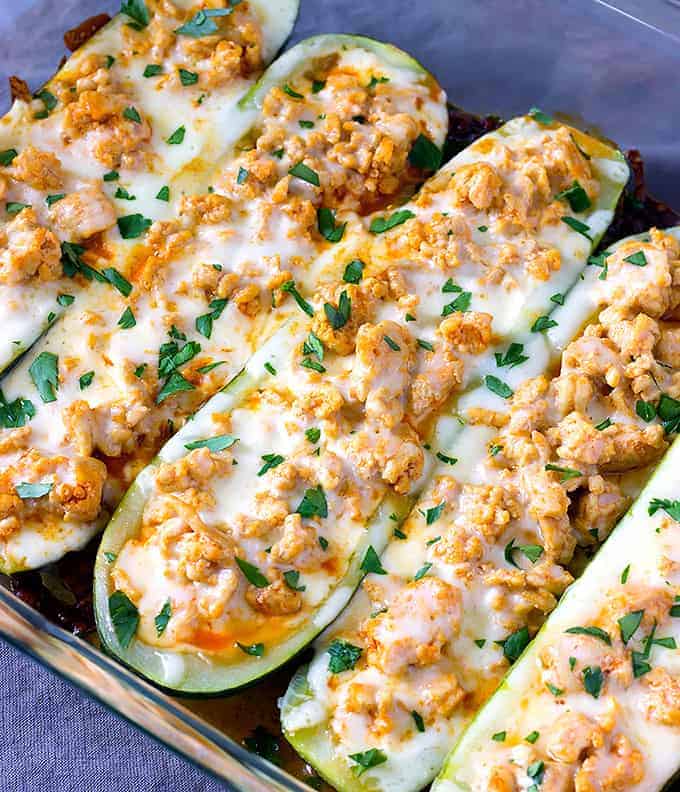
[496,549]
[361,369]
[140,352]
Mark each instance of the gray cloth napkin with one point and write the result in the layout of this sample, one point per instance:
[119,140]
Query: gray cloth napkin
[56,740]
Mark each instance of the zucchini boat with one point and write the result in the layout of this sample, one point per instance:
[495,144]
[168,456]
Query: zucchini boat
[135,117]
[491,544]
[356,370]
[143,350]
[594,701]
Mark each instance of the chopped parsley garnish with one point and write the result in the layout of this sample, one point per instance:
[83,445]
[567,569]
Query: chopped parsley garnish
[127,319]
[354,271]
[117,281]
[671,507]
[25,490]
[111,176]
[532,737]
[513,357]
[543,323]
[152,70]
[305,173]
[139,371]
[448,460]
[177,136]
[499,736]
[391,343]
[480,642]
[216,443]
[86,380]
[461,303]
[65,299]
[637,259]
[328,229]
[254,650]
[536,771]
[318,85]
[423,344]
[433,514]
[48,99]
[132,114]
[252,573]
[163,617]
[291,92]
[594,632]
[593,680]
[124,616]
[110,557]
[342,656]
[576,196]
[605,424]
[313,503]
[289,287]
[7,156]
[323,543]
[278,153]
[498,387]
[450,286]
[557,298]
[268,367]
[313,434]
[482,228]
[44,372]
[538,115]
[424,569]
[514,644]
[629,623]
[566,473]
[577,226]
[624,575]
[424,154]
[133,226]
[292,580]
[313,345]
[367,759]
[16,413]
[14,207]
[532,551]
[54,198]
[554,689]
[376,81]
[314,365]
[201,24]
[418,720]
[304,124]
[204,322]
[270,461]
[164,193]
[495,449]
[381,224]
[338,317]
[371,562]
[668,410]
[242,177]
[645,410]
[137,11]
[188,77]
[175,383]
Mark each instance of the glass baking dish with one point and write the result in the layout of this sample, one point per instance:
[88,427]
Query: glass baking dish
[607,65]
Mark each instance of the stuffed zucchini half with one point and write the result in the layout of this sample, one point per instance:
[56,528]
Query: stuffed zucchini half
[98,396]
[135,117]
[530,485]
[594,701]
[355,371]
